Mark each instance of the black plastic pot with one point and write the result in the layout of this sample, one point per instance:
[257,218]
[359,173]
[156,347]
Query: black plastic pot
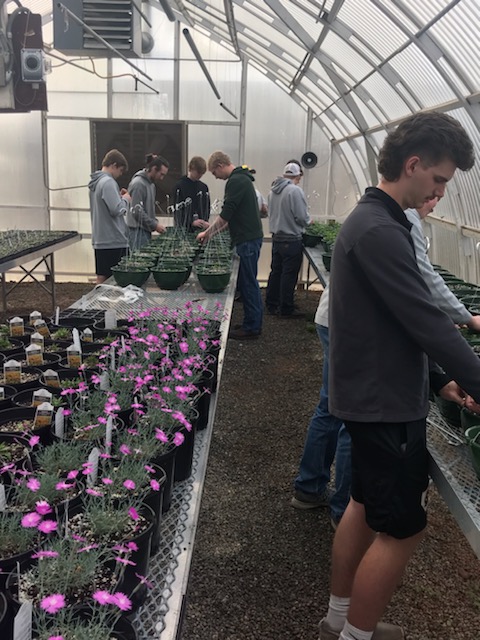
[167,461]
[6,619]
[202,402]
[31,384]
[51,360]
[25,413]
[25,398]
[122,325]
[23,462]
[9,393]
[154,500]
[16,343]
[70,321]
[69,374]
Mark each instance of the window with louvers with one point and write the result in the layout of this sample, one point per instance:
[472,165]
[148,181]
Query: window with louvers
[115,21]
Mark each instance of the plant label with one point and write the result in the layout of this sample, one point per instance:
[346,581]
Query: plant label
[12,372]
[51,378]
[93,464]
[74,356]
[22,624]
[110,319]
[57,315]
[2,393]
[108,433]
[76,339]
[17,327]
[112,358]
[43,415]
[41,327]
[60,424]
[104,381]
[34,355]
[3,499]
[87,335]
[34,316]
[83,303]
[42,395]
[37,338]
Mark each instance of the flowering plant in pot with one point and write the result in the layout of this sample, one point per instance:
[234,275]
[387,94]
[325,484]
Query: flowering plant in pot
[30,488]
[16,543]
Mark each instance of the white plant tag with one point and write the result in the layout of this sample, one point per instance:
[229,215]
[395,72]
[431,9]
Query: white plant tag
[51,378]
[12,372]
[93,463]
[110,319]
[76,338]
[37,338]
[22,624]
[17,327]
[87,335]
[74,356]
[57,315]
[34,316]
[41,395]
[3,499]
[109,433]
[60,424]
[34,355]
[104,381]
[112,358]
[43,415]
[41,326]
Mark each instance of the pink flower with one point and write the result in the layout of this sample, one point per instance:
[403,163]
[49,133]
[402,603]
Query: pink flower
[107,481]
[124,449]
[63,486]
[160,435]
[56,638]
[122,602]
[42,507]
[105,455]
[148,468]
[89,547]
[125,561]
[33,484]
[53,603]
[47,526]
[143,580]
[31,520]
[45,554]
[183,347]
[131,546]
[103,597]
[155,485]
[178,439]
[129,484]
[93,492]
[133,513]
[72,474]
[34,440]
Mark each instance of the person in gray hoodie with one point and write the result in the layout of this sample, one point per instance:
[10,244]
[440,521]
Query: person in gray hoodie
[108,206]
[287,208]
[141,218]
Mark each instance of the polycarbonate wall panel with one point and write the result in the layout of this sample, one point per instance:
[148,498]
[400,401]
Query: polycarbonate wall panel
[345,192]
[205,139]
[370,118]
[445,249]
[21,168]
[209,49]
[421,77]
[372,25]
[356,163]
[313,27]
[197,100]
[426,10]
[342,53]
[386,95]
[457,33]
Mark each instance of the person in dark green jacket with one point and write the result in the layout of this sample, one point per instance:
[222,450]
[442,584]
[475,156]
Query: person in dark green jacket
[240,213]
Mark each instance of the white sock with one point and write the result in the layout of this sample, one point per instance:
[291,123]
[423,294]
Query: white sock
[352,633]
[337,612]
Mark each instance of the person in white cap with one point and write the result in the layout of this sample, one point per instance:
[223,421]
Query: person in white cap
[287,207]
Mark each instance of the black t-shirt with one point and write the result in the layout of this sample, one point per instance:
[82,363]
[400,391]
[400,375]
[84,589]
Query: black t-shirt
[191,200]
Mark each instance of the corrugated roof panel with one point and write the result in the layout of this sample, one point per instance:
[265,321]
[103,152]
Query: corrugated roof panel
[391,7]
[421,77]
[345,122]
[371,119]
[340,51]
[274,62]
[427,9]
[457,33]
[372,25]
[386,95]
[313,27]
[259,7]
[453,76]
[326,96]
[318,70]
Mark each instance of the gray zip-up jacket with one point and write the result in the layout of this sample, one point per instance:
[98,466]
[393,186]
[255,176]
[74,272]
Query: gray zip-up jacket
[107,210]
[442,295]
[142,210]
[287,210]
[383,321]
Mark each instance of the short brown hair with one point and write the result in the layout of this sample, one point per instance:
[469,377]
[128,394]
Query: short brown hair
[197,163]
[432,137]
[218,158]
[114,156]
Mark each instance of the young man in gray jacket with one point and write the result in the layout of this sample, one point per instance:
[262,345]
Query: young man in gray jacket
[108,206]
[288,218]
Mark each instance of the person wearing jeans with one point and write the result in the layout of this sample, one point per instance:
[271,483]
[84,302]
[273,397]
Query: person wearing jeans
[288,218]
[240,213]
[327,439]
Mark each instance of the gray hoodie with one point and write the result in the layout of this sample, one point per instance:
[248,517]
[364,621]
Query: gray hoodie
[142,211]
[107,209]
[287,210]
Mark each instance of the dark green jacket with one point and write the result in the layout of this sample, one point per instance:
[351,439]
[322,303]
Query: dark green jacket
[240,207]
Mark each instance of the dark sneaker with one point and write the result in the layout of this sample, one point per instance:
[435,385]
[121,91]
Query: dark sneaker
[273,311]
[242,334]
[295,315]
[383,631]
[307,501]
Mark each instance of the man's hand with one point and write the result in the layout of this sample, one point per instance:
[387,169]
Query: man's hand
[202,237]
[451,391]
[125,195]
[474,323]
[202,224]
[160,228]
[471,405]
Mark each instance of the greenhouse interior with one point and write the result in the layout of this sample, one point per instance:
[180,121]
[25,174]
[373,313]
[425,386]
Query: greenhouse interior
[240,240]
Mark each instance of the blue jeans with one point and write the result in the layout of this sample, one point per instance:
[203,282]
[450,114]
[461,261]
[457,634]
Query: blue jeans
[249,253]
[287,257]
[326,439]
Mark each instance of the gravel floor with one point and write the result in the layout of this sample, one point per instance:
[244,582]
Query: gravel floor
[261,568]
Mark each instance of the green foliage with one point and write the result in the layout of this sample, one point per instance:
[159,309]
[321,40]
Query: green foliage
[328,231]
[62,457]
[14,538]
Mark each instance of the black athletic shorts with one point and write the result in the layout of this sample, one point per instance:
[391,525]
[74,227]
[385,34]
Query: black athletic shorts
[390,475]
[105,259]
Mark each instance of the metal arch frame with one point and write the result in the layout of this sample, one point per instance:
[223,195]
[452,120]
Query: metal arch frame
[231,23]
